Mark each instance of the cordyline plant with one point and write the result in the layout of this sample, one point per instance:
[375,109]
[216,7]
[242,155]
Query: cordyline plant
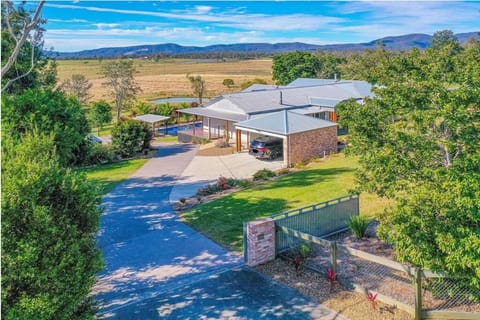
[332,277]
[372,297]
[297,262]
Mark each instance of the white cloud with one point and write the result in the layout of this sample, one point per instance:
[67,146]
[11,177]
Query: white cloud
[203,9]
[105,25]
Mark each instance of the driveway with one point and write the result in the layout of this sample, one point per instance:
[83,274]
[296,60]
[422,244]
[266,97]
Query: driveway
[157,267]
[206,169]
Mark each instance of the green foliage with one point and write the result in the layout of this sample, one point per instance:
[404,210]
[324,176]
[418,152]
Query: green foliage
[119,76]
[358,225]
[100,114]
[167,110]
[264,174]
[130,137]
[78,86]
[32,48]
[290,66]
[418,143]
[303,250]
[249,83]
[143,107]
[49,218]
[48,112]
[98,153]
[228,82]
[198,86]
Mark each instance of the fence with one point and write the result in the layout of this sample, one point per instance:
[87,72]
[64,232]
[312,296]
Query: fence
[319,220]
[423,293]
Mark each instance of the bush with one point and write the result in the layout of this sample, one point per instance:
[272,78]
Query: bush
[130,137]
[50,215]
[358,225]
[222,143]
[263,174]
[98,153]
[304,250]
[283,171]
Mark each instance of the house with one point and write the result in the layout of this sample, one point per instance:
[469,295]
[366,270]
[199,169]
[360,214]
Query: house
[303,113]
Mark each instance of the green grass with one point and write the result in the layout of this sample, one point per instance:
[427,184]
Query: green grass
[109,175]
[166,139]
[222,219]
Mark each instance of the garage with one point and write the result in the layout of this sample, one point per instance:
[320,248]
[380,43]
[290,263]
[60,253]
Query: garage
[303,137]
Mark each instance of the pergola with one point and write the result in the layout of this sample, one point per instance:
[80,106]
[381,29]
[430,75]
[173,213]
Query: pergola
[152,119]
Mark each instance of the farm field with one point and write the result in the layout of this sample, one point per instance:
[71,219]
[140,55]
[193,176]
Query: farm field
[167,78]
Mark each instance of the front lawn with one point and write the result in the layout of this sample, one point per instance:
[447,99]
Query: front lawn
[222,219]
[109,175]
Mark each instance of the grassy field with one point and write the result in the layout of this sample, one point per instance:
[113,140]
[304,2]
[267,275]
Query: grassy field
[223,219]
[167,78]
[108,176]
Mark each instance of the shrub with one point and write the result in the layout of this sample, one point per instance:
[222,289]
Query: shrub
[283,171]
[304,250]
[221,143]
[130,137]
[358,225]
[263,174]
[98,153]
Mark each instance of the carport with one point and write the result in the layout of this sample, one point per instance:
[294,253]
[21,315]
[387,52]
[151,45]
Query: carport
[152,119]
[303,137]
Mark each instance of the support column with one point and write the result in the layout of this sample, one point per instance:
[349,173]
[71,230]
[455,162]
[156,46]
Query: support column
[333,116]
[227,131]
[238,135]
[209,128]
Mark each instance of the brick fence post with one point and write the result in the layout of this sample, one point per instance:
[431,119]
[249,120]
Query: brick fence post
[260,241]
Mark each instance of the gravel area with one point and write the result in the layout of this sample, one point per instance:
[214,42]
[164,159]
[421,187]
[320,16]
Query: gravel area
[316,286]
[379,278]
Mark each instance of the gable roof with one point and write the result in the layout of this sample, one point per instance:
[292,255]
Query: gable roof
[326,94]
[284,123]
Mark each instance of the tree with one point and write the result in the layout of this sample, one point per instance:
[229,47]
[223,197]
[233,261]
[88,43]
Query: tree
[130,137]
[49,218]
[21,41]
[290,66]
[418,143]
[47,111]
[249,83]
[444,38]
[119,76]
[198,86]
[143,107]
[100,114]
[78,86]
[228,82]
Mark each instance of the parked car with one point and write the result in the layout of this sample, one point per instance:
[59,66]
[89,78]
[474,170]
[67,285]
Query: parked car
[266,147]
[93,139]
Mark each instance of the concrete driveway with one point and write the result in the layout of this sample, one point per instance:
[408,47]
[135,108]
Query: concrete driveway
[156,267]
[206,169]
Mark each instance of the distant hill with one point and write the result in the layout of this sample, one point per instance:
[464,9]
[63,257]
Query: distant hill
[404,42]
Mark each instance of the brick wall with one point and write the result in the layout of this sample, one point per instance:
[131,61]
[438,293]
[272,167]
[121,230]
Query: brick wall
[307,145]
[260,241]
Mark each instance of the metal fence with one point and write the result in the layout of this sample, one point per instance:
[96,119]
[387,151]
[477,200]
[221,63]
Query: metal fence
[318,220]
[422,293]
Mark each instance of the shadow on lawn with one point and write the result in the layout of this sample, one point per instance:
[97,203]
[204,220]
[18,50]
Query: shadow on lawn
[307,177]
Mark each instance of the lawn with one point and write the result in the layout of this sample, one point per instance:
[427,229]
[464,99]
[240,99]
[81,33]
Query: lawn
[109,175]
[222,219]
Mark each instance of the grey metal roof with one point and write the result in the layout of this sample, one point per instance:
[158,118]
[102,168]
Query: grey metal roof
[260,87]
[307,82]
[206,112]
[284,123]
[324,102]
[312,109]
[151,118]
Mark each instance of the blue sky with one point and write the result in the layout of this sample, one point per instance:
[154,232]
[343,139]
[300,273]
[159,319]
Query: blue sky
[78,25]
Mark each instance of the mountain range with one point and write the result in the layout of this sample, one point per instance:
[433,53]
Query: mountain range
[404,42]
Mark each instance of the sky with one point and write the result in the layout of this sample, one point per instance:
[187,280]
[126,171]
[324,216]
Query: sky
[81,25]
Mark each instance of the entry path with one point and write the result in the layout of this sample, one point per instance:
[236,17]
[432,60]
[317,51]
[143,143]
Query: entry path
[147,249]
[156,267]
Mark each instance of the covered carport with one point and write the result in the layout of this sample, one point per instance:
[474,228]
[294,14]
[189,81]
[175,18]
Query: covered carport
[303,137]
[152,119]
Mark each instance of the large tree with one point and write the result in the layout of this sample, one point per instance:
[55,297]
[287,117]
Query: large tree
[119,76]
[100,114]
[47,111]
[22,43]
[78,86]
[290,66]
[418,143]
[198,86]
[49,218]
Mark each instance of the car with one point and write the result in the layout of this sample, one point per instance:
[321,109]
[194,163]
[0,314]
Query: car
[266,147]
[93,139]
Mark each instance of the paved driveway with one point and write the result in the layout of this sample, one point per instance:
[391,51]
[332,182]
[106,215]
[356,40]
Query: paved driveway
[157,267]
[203,170]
